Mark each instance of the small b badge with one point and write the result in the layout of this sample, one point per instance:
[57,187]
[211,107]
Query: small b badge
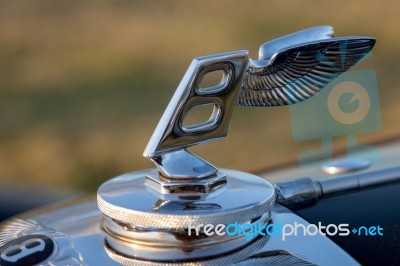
[26,250]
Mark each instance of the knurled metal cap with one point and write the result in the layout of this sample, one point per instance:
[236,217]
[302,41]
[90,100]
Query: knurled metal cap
[127,199]
[142,223]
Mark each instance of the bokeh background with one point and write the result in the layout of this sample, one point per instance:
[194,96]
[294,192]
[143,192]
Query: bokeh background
[84,83]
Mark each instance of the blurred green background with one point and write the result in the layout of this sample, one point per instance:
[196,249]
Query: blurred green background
[84,83]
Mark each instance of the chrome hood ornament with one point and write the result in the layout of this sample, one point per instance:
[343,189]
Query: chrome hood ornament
[154,214]
[289,70]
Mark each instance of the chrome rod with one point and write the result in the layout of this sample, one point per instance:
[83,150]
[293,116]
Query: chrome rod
[306,190]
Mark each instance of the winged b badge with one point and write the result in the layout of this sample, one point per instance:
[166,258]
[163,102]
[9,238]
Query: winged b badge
[289,70]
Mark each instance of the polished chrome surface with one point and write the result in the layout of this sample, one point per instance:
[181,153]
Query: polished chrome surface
[172,245]
[268,49]
[181,189]
[297,192]
[86,245]
[231,258]
[137,216]
[316,249]
[297,72]
[127,199]
[275,257]
[182,164]
[345,165]
[361,180]
[171,136]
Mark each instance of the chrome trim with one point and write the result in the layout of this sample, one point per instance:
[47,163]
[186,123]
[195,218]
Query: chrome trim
[345,165]
[357,181]
[297,192]
[308,190]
